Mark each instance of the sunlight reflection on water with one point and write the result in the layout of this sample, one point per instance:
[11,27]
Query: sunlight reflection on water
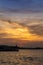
[23,57]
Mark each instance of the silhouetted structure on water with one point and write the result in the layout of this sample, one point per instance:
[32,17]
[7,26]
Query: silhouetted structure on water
[8,48]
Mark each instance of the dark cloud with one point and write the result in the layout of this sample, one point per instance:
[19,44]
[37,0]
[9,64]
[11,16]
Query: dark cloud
[36,29]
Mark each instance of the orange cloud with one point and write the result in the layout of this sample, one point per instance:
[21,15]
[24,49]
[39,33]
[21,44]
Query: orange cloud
[17,31]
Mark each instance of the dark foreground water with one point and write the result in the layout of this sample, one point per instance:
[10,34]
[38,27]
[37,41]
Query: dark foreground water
[23,57]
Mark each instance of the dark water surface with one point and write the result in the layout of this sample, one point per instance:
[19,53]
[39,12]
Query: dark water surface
[23,57]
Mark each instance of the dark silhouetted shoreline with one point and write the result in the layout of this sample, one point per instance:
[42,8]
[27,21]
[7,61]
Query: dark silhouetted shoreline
[36,48]
[15,48]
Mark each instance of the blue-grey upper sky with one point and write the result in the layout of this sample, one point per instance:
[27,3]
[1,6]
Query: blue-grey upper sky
[22,5]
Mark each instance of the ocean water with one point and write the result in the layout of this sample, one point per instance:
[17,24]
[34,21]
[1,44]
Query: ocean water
[23,57]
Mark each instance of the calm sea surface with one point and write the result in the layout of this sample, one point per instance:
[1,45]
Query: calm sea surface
[23,57]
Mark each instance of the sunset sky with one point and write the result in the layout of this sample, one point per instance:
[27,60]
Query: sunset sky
[21,22]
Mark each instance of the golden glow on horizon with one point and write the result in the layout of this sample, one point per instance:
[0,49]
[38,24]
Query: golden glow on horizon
[14,30]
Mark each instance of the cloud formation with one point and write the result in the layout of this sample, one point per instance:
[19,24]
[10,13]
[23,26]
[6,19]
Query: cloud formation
[36,27]
[24,32]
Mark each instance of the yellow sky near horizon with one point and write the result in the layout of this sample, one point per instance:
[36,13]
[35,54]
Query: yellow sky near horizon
[17,31]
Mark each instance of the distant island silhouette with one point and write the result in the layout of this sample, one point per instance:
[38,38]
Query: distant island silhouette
[32,48]
[15,48]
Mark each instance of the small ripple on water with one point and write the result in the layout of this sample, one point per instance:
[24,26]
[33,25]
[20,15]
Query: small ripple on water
[19,59]
[23,61]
